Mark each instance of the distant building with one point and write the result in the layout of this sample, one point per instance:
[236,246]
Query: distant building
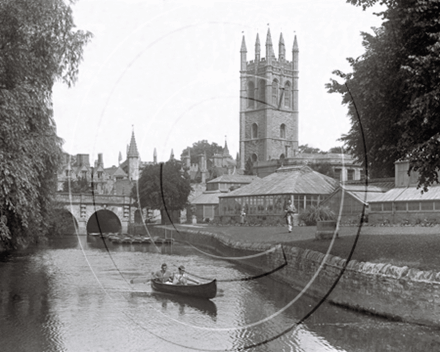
[117,180]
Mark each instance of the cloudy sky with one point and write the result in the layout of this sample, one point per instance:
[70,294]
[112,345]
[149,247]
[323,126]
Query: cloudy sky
[171,70]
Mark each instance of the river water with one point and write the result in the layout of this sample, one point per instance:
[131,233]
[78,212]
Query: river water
[74,295]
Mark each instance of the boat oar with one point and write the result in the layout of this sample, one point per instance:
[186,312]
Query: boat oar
[140,280]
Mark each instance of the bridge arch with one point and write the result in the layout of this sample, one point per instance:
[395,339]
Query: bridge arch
[103,221]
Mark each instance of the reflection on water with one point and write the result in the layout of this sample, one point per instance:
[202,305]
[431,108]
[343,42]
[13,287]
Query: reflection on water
[170,301]
[75,296]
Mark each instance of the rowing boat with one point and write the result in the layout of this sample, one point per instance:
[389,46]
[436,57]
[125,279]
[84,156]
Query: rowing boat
[208,290]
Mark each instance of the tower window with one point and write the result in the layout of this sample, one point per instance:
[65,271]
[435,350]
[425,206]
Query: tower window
[254,157]
[254,130]
[250,95]
[275,93]
[261,93]
[283,131]
[287,95]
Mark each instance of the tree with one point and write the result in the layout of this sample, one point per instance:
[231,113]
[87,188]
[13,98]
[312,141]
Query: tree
[324,168]
[80,185]
[393,92]
[308,150]
[336,150]
[38,45]
[163,187]
[202,147]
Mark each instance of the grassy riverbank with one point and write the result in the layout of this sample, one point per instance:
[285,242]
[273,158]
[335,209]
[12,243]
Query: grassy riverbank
[415,247]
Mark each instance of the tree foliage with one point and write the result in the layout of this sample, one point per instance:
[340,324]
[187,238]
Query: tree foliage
[38,45]
[81,185]
[308,150]
[393,93]
[202,147]
[163,186]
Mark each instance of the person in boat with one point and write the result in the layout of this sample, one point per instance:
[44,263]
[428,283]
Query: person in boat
[163,275]
[180,278]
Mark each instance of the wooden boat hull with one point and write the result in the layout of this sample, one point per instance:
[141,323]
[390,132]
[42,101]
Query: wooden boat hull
[208,290]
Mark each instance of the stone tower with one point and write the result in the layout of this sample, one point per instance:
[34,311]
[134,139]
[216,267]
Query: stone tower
[133,159]
[268,103]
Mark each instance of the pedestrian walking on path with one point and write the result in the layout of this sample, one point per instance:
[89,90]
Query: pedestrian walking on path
[290,210]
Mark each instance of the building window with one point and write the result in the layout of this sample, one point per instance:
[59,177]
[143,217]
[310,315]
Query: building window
[275,93]
[387,206]
[67,173]
[376,206]
[283,131]
[99,174]
[413,206]
[254,157]
[261,93]
[287,95]
[250,95]
[350,175]
[254,130]
[400,206]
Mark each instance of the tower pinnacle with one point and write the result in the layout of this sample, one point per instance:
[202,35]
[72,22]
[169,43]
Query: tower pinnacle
[243,46]
[269,48]
[281,48]
[257,49]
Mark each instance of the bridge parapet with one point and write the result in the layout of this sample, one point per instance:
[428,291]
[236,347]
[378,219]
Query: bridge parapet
[89,198]
[84,205]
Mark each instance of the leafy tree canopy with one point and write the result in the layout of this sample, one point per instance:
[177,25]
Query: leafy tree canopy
[336,150]
[38,45]
[202,147]
[308,150]
[159,189]
[393,92]
[77,186]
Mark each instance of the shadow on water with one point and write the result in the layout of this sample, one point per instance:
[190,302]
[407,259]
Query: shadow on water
[204,306]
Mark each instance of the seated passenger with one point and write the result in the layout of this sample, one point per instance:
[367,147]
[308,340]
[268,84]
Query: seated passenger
[181,278]
[163,275]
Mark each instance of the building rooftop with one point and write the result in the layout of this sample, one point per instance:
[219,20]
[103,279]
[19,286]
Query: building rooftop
[288,180]
[234,179]
[402,194]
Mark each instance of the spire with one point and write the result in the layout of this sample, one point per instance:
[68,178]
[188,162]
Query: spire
[155,156]
[225,149]
[119,158]
[257,49]
[269,47]
[132,151]
[281,48]
[295,45]
[172,154]
[243,52]
[243,46]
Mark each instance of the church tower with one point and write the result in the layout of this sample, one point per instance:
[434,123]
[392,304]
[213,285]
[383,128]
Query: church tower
[268,103]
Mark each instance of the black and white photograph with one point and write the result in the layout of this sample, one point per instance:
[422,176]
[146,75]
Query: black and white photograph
[218,176]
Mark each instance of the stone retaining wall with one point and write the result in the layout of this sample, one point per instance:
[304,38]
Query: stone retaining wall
[396,292]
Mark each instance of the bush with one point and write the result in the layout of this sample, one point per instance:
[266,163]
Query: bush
[317,213]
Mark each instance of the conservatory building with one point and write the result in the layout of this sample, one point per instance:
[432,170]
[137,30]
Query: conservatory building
[264,200]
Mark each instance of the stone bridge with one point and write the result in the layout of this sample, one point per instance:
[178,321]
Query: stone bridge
[88,209]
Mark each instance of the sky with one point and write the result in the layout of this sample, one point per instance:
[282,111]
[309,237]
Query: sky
[169,70]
